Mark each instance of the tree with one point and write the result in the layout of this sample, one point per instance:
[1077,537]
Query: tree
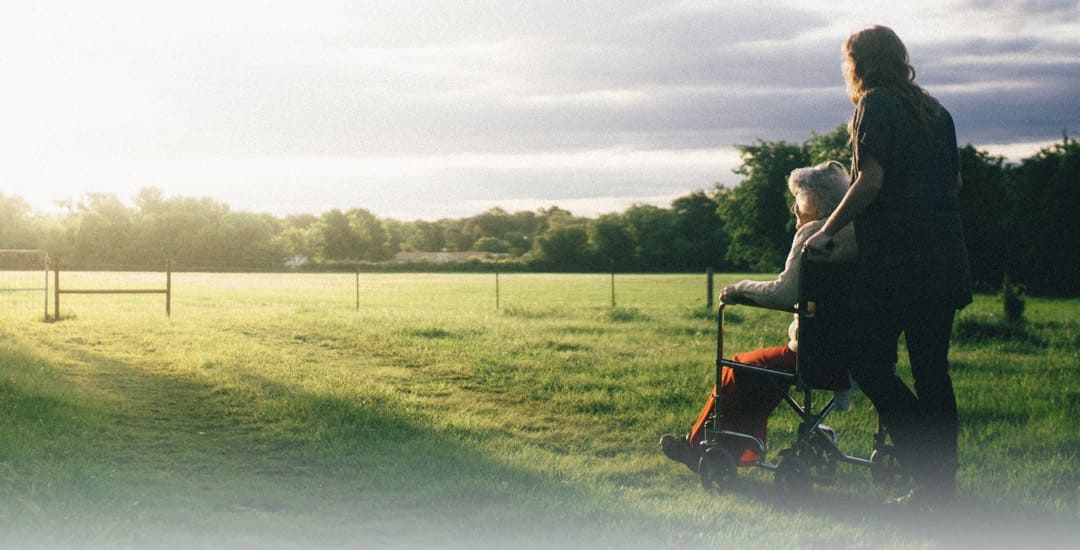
[425,237]
[338,240]
[611,241]
[756,213]
[455,237]
[150,200]
[564,246]
[103,230]
[987,203]
[396,234]
[247,239]
[1047,220]
[519,242]
[495,222]
[299,236]
[16,229]
[835,145]
[654,231]
[369,237]
[699,239]
[511,232]
[491,244]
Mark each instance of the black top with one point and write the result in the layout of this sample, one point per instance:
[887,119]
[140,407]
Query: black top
[911,243]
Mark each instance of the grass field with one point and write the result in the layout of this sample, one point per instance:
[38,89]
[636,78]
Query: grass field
[273,411]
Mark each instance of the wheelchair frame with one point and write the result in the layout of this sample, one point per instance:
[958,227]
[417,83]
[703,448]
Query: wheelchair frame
[814,455]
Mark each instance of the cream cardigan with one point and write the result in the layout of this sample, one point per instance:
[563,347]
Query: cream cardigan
[784,291]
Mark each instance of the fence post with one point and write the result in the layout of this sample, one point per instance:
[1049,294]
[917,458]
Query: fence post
[168,288]
[47,265]
[56,289]
[358,290]
[612,284]
[708,288]
[496,290]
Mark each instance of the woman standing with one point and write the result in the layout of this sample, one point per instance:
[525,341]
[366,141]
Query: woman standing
[913,264]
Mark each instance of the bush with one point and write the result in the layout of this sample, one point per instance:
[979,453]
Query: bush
[1012,297]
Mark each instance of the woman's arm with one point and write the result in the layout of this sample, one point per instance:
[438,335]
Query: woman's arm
[861,194]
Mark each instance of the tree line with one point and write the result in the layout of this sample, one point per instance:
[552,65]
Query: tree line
[1020,219]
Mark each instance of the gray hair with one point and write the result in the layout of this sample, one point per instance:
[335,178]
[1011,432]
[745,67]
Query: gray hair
[819,189]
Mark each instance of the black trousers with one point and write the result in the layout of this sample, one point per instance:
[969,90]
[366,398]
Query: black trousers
[923,423]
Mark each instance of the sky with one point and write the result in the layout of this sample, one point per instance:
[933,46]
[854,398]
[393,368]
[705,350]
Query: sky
[429,109]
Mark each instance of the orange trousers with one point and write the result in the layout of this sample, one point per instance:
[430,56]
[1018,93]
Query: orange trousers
[746,399]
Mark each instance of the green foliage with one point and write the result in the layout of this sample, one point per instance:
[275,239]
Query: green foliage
[564,246]
[1021,219]
[1048,224]
[834,145]
[16,228]
[756,213]
[988,207]
[1012,300]
[491,244]
[353,235]
[612,239]
[700,239]
[654,229]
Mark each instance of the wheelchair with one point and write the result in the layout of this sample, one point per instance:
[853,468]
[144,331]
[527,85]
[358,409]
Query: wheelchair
[825,311]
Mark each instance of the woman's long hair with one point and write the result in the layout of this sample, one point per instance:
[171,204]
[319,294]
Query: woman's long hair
[876,58]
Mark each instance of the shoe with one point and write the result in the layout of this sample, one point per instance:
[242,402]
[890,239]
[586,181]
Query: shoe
[749,458]
[678,449]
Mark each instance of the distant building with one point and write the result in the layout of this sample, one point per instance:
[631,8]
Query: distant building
[445,257]
[296,262]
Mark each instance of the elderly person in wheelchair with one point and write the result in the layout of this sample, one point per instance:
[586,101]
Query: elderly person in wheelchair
[747,398]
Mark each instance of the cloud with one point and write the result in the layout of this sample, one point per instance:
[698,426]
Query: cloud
[416,106]
[1005,88]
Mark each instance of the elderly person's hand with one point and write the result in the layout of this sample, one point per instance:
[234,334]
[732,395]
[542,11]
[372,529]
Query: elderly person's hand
[727,295]
[731,296]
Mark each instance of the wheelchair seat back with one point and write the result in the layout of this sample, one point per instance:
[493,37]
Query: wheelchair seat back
[826,317]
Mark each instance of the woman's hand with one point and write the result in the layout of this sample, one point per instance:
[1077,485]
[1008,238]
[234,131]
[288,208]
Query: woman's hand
[820,244]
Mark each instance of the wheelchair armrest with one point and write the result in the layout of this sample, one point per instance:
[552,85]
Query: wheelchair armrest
[751,303]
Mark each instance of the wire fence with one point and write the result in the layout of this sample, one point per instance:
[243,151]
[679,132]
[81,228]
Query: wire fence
[162,288]
[158,292]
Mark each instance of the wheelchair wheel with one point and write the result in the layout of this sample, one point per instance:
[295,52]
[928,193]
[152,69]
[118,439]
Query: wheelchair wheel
[885,470]
[793,472]
[716,469]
